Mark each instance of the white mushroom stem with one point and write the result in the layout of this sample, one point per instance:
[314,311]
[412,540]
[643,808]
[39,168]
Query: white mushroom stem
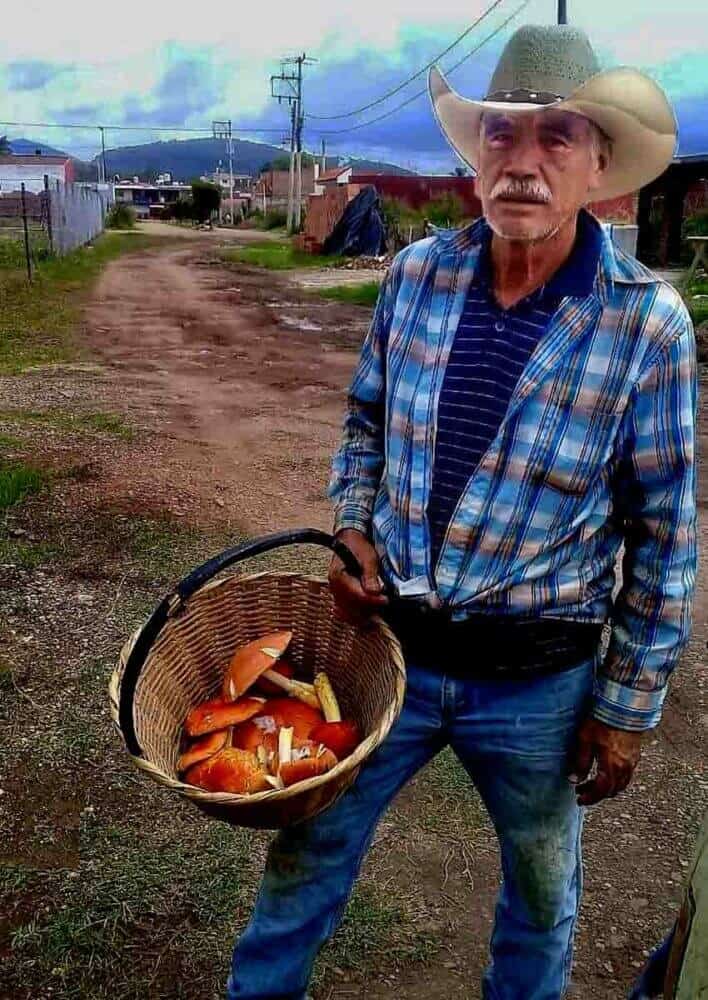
[298,689]
[327,698]
[285,745]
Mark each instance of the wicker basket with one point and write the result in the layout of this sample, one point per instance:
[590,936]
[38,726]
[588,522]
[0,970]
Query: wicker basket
[178,657]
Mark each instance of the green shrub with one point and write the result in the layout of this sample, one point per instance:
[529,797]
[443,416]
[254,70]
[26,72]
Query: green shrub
[696,225]
[206,199]
[276,218]
[18,481]
[447,210]
[120,216]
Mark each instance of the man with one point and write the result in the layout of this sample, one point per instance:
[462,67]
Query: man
[524,405]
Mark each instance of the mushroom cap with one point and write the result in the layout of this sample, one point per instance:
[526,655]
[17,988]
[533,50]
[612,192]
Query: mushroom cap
[251,660]
[252,734]
[309,760]
[203,748]
[292,712]
[268,688]
[230,770]
[342,738]
[219,714]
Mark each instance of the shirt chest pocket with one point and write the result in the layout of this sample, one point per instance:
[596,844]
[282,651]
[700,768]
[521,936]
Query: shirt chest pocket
[574,443]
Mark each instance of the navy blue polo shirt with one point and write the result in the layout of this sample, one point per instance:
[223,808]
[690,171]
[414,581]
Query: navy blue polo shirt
[491,348]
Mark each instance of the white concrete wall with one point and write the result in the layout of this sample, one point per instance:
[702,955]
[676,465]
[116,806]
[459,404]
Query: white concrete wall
[13,174]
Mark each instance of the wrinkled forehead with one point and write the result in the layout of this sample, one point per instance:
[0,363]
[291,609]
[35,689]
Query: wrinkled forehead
[547,118]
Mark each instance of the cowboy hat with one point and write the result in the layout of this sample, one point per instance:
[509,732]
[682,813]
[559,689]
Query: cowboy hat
[554,66]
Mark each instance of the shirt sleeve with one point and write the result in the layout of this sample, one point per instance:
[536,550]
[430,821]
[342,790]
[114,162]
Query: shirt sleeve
[358,464]
[655,494]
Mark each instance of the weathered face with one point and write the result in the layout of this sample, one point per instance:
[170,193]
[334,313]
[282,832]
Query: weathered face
[536,170]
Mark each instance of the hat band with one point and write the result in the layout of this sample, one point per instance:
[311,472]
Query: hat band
[523,97]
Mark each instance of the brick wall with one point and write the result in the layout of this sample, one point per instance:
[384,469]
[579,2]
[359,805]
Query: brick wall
[323,213]
[623,209]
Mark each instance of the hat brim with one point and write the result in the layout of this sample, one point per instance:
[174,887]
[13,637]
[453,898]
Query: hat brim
[627,105]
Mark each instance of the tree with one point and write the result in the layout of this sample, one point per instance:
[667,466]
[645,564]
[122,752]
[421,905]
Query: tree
[206,198]
[5,149]
[283,162]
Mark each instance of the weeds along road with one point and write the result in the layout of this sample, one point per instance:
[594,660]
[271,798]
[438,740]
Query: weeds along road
[225,389]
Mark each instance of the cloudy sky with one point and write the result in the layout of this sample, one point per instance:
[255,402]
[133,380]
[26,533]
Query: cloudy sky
[145,65]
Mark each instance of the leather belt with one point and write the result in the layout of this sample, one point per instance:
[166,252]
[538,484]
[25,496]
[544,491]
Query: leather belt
[490,646]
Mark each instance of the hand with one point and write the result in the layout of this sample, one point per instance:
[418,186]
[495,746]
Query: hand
[357,600]
[616,752]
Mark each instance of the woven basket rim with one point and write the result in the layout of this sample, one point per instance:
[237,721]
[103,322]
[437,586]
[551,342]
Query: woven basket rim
[349,763]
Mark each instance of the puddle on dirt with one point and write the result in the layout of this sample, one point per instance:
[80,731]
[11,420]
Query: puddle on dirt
[300,324]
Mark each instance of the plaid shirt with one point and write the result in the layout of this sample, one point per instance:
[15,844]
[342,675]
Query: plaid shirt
[596,449]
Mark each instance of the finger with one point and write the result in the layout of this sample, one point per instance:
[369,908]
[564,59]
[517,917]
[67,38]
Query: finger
[582,761]
[594,791]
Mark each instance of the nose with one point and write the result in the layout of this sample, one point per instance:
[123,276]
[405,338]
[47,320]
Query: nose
[525,158]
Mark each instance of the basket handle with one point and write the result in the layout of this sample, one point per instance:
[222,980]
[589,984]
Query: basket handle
[187,587]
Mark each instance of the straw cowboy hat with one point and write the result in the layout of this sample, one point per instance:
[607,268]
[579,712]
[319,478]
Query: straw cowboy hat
[554,66]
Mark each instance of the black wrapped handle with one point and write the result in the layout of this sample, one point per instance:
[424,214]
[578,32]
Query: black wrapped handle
[189,586]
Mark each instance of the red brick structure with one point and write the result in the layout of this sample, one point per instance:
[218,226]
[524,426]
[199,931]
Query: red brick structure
[324,210]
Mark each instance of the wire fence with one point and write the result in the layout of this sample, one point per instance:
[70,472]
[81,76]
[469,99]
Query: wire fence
[42,218]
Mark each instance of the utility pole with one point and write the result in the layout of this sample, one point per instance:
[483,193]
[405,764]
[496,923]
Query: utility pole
[102,174]
[292,93]
[222,130]
[323,156]
[562,12]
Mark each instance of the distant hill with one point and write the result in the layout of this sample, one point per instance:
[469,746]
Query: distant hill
[186,159]
[28,147]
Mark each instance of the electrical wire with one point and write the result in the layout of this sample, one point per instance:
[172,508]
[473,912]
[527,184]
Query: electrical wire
[420,72]
[130,128]
[421,93]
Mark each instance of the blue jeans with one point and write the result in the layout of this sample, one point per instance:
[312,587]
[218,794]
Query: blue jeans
[513,738]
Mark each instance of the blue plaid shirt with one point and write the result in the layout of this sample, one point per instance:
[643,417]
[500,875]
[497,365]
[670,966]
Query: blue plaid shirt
[596,449]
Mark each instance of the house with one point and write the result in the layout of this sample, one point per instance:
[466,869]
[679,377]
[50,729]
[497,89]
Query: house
[243,183]
[681,191]
[272,186]
[31,171]
[149,200]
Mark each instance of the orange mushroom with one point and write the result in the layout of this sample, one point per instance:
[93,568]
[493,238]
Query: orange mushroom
[203,748]
[259,731]
[219,714]
[264,686]
[230,770]
[306,760]
[342,738]
[291,712]
[251,660]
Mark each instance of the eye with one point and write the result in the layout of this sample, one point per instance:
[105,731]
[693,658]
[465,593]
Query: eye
[499,137]
[556,140]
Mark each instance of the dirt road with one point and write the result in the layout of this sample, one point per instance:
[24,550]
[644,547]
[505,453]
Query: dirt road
[236,381]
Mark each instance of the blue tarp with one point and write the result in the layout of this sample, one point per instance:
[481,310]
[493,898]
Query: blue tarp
[360,231]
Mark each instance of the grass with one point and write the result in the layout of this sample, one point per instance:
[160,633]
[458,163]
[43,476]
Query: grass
[364,294]
[275,257]
[37,321]
[65,420]
[697,307]
[18,481]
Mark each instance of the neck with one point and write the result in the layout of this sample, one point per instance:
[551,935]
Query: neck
[520,266]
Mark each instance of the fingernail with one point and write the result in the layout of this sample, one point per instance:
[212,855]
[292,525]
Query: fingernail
[573,779]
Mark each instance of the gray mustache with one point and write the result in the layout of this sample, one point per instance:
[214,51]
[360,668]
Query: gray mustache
[510,190]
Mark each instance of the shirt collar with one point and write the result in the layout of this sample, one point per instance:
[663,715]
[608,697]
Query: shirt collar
[575,277]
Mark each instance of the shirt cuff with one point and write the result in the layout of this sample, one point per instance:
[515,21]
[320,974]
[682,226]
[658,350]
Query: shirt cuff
[623,707]
[353,515]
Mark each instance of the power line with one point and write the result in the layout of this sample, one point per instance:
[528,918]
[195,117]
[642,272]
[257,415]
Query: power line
[129,128]
[420,72]
[421,93]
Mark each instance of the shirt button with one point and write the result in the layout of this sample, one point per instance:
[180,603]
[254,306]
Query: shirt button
[499,325]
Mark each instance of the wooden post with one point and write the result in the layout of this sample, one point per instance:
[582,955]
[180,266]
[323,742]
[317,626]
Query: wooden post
[28,257]
[48,202]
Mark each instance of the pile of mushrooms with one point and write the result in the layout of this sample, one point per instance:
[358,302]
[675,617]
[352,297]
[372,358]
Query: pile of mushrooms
[267,729]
